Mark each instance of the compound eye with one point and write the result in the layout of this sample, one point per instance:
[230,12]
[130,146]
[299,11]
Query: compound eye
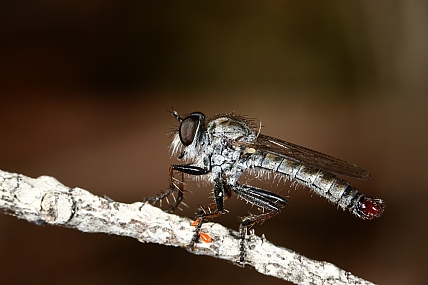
[188,128]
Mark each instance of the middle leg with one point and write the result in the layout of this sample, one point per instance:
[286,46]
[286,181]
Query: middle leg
[221,192]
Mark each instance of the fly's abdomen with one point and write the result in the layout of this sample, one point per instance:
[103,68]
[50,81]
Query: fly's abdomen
[323,183]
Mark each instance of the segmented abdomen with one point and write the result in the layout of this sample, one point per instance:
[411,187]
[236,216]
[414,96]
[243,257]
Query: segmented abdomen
[323,183]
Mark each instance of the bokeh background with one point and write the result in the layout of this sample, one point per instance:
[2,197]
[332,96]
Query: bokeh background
[84,91]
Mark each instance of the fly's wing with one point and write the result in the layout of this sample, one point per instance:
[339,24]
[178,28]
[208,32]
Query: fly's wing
[307,157]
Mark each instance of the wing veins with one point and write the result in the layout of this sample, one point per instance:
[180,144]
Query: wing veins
[306,156]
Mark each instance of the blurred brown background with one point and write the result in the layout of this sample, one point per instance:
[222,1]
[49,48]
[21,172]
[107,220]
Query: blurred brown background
[84,93]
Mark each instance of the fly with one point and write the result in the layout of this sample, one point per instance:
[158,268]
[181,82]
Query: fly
[220,149]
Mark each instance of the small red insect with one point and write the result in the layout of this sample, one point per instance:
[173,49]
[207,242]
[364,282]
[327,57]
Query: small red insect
[196,222]
[205,237]
[202,236]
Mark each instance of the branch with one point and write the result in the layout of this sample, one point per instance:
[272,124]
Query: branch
[46,201]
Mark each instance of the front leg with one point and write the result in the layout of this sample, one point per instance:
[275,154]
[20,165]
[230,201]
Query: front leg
[183,168]
[177,184]
[190,169]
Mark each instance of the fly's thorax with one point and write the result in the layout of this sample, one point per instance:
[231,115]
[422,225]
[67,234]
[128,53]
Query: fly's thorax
[227,160]
[228,128]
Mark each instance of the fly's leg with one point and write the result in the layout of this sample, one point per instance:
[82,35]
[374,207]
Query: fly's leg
[175,185]
[205,213]
[221,193]
[271,204]
[213,211]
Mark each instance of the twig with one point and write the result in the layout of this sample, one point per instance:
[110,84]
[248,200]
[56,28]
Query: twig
[46,201]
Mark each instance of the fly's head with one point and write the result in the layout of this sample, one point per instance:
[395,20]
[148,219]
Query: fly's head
[196,134]
[188,138]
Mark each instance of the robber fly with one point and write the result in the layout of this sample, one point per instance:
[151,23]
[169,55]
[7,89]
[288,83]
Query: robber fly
[221,148]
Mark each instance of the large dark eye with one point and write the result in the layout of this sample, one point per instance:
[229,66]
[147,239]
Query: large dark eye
[189,126]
